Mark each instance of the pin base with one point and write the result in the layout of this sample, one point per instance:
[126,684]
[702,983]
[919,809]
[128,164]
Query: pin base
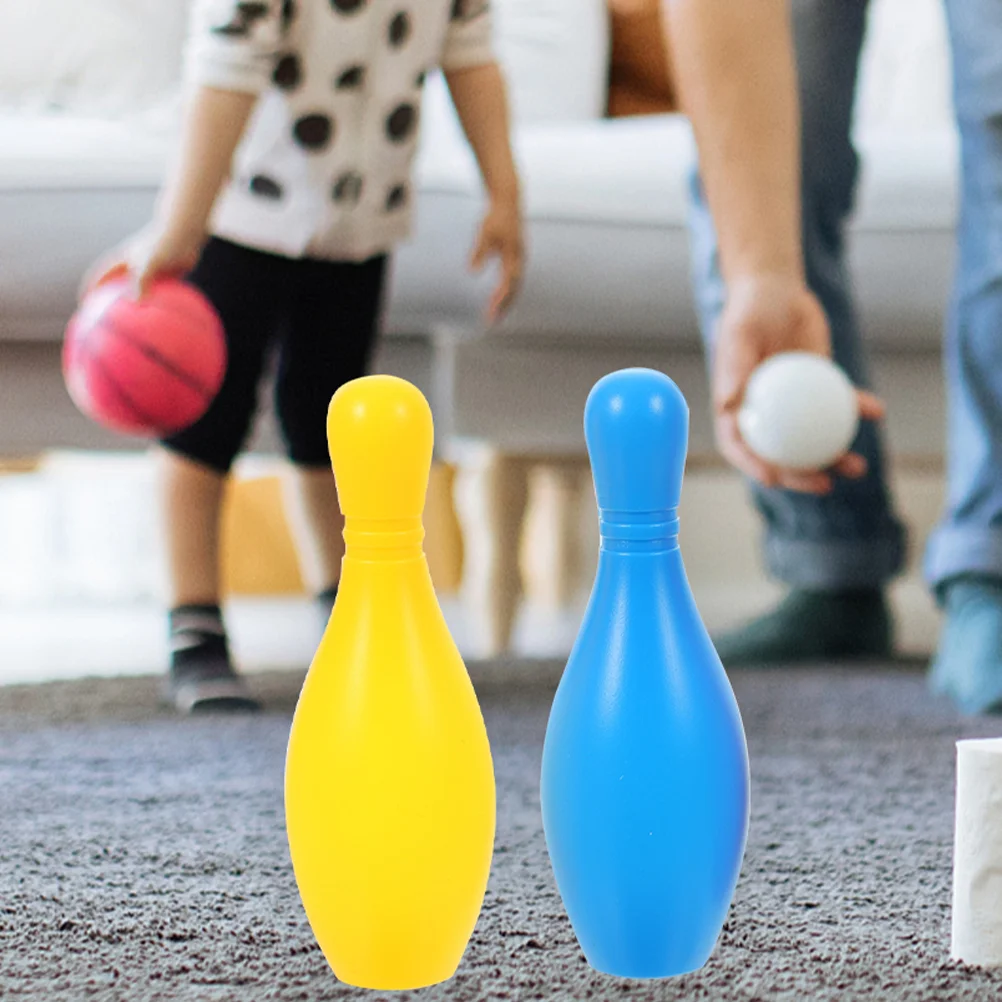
[358,979]
[644,972]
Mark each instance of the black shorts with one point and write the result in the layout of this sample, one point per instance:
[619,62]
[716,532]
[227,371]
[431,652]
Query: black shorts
[320,317]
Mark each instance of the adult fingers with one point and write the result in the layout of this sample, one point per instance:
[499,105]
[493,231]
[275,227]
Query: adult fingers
[871,407]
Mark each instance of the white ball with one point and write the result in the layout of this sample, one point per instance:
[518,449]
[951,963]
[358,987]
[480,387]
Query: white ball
[799,411]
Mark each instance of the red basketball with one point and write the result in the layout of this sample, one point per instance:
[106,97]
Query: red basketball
[149,366]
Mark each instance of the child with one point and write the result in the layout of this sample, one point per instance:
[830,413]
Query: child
[290,188]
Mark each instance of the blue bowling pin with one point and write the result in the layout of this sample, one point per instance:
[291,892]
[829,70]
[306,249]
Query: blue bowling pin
[644,784]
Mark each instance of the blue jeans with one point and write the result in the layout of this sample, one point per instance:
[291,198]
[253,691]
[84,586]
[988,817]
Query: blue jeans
[852,538]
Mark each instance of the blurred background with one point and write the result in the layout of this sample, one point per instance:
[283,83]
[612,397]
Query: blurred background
[89,103]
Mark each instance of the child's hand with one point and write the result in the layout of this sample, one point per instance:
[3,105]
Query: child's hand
[145,257]
[164,253]
[501,237]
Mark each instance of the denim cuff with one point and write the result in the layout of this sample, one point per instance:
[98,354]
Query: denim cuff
[836,564]
[954,550]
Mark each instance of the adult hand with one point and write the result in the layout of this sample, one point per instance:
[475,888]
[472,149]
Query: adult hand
[765,315]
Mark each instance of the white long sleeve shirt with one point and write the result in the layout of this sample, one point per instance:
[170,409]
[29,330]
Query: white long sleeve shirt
[324,169]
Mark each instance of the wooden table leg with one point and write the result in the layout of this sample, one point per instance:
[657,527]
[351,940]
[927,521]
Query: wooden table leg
[491,495]
[552,549]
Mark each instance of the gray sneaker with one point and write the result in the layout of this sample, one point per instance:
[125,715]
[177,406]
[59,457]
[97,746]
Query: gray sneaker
[813,627]
[210,686]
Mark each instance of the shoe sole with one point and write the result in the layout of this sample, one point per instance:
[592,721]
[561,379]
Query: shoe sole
[217,696]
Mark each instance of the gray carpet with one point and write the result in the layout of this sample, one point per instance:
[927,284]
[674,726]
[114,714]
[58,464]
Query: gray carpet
[144,858]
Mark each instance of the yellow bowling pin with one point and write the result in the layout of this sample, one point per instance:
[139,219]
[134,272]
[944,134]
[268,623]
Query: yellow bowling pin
[389,783]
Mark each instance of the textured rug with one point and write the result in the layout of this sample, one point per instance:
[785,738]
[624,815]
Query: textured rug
[144,858]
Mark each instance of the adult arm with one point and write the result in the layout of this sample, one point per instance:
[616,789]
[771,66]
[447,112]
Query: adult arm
[736,77]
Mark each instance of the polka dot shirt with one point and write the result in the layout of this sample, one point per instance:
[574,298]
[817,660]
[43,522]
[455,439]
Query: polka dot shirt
[324,169]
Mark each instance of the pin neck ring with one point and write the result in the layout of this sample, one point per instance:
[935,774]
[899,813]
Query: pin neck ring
[372,536]
[639,529]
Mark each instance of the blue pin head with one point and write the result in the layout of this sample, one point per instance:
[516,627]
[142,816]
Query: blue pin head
[637,429]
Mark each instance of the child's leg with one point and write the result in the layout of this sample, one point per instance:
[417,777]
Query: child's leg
[192,500]
[242,285]
[333,323]
[317,524]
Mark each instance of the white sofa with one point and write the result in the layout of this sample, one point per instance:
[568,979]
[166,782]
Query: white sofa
[607,281]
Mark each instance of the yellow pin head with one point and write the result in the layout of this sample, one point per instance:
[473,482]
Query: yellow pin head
[380,434]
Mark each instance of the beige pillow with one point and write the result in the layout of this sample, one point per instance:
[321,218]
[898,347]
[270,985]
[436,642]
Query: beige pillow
[639,66]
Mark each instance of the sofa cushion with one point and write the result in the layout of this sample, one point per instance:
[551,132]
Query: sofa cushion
[69,190]
[555,54]
[904,78]
[66,152]
[102,57]
[608,246]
